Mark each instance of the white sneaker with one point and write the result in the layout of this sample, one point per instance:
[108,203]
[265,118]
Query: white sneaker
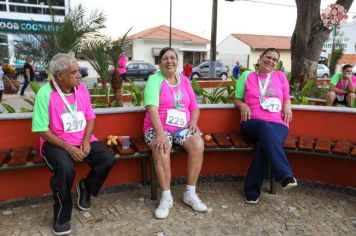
[162,211]
[194,201]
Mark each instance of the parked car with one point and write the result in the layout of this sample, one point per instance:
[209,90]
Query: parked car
[354,70]
[322,71]
[41,74]
[202,70]
[139,70]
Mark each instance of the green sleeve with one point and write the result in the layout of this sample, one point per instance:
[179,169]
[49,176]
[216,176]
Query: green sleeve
[240,85]
[335,78]
[40,119]
[152,89]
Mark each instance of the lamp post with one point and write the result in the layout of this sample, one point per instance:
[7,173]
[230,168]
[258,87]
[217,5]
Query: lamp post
[212,70]
[170,23]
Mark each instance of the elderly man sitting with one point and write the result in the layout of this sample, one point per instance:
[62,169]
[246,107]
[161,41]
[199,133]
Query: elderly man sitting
[64,118]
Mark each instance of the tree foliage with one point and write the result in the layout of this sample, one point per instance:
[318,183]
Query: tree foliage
[67,38]
[308,38]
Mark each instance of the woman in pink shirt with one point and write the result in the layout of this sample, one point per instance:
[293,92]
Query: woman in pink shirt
[264,102]
[171,117]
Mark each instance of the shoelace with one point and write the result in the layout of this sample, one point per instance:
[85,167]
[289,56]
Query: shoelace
[195,198]
[165,203]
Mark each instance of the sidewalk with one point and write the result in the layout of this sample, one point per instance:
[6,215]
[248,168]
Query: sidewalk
[301,211]
[17,101]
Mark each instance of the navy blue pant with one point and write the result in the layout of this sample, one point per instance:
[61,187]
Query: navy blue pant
[268,138]
[61,163]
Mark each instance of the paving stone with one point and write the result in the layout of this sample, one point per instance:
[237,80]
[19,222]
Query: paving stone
[303,211]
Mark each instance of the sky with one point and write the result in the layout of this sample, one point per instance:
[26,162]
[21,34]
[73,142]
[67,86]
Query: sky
[194,16]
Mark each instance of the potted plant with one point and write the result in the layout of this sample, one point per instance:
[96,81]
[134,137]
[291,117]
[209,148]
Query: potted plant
[11,84]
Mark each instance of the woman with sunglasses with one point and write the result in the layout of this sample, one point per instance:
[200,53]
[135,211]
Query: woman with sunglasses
[171,117]
[264,102]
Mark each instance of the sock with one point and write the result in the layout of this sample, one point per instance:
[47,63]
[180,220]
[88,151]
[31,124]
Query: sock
[167,194]
[191,189]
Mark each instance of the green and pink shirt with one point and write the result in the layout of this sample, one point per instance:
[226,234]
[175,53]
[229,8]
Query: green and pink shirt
[159,94]
[340,83]
[248,90]
[49,108]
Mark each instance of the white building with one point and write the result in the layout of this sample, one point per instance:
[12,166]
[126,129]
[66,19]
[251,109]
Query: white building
[147,44]
[345,38]
[22,16]
[246,48]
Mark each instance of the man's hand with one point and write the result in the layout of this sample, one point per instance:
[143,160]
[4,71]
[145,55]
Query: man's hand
[85,148]
[76,153]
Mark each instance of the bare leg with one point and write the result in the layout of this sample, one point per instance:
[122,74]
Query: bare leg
[195,148]
[330,98]
[163,167]
[350,99]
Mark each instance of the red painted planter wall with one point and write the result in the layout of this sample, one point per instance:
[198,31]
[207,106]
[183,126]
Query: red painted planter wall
[35,182]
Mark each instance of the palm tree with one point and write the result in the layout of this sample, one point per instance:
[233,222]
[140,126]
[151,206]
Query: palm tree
[65,37]
[95,51]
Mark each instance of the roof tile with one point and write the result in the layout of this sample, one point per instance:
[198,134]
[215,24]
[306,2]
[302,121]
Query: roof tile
[264,41]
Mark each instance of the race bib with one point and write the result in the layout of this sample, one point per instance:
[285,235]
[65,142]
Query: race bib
[71,125]
[340,97]
[271,104]
[176,118]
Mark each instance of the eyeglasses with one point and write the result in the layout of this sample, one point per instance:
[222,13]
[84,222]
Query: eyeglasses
[271,58]
[348,71]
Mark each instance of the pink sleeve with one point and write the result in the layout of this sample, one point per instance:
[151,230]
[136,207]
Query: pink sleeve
[193,100]
[353,78]
[286,95]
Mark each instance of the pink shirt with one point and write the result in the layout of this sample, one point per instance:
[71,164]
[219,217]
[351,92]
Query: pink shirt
[249,91]
[122,61]
[159,94]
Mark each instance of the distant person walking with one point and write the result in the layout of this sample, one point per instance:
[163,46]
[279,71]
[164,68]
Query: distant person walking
[1,83]
[28,74]
[187,69]
[121,66]
[236,70]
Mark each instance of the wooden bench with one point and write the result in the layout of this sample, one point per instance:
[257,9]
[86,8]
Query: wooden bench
[27,157]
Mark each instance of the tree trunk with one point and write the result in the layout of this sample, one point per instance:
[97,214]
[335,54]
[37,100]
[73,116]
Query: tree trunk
[116,85]
[307,40]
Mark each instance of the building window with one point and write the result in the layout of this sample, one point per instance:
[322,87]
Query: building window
[36,10]
[2,7]
[156,60]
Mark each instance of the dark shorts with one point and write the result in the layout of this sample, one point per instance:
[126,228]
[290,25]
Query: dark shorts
[343,102]
[123,76]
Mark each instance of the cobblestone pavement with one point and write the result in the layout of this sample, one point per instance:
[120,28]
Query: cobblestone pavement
[301,211]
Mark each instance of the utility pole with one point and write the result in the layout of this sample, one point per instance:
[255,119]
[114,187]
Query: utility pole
[212,71]
[170,23]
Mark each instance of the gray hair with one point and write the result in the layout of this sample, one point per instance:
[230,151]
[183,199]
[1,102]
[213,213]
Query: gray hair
[60,63]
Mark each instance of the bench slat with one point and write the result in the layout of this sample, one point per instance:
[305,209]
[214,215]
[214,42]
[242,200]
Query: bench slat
[239,142]
[124,152]
[306,143]
[139,144]
[223,140]
[290,143]
[20,156]
[210,144]
[353,152]
[323,145]
[4,153]
[342,147]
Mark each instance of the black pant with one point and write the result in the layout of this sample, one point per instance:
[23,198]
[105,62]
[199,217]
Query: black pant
[24,86]
[61,163]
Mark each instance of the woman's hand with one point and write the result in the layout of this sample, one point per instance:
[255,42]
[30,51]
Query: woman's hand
[193,127]
[287,113]
[245,112]
[161,142]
